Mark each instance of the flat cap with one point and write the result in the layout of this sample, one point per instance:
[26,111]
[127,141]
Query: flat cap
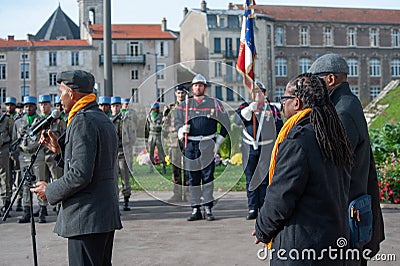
[77,80]
[329,63]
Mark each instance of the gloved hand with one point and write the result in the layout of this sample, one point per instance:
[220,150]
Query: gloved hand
[218,143]
[247,111]
[181,131]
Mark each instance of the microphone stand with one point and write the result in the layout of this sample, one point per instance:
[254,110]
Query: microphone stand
[27,181]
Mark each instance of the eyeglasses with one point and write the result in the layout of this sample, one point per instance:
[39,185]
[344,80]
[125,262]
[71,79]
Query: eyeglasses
[283,99]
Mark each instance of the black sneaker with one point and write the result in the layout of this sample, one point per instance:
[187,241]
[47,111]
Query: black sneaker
[196,215]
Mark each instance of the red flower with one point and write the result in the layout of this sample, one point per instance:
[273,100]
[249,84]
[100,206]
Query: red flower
[396,200]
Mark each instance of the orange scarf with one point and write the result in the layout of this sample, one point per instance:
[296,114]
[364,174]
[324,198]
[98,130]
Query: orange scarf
[82,102]
[281,137]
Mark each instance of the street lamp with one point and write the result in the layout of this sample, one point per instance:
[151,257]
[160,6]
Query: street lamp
[155,69]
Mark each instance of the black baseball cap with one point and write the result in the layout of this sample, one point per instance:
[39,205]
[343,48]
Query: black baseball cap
[77,80]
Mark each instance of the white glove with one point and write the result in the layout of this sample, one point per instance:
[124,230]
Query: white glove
[181,131]
[218,143]
[247,111]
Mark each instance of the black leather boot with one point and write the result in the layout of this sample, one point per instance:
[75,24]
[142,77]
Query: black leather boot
[196,215]
[26,216]
[42,214]
[126,204]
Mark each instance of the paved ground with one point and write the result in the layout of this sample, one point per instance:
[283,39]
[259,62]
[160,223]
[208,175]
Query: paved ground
[156,233]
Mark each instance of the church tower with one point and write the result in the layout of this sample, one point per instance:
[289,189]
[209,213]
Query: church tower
[90,12]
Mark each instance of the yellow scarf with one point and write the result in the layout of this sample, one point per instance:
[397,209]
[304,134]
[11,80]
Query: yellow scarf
[281,137]
[82,102]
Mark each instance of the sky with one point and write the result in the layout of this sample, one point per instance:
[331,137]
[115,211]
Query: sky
[20,17]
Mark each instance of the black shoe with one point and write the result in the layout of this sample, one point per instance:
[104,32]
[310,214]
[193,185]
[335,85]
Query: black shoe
[208,214]
[196,215]
[26,216]
[251,215]
[126,204]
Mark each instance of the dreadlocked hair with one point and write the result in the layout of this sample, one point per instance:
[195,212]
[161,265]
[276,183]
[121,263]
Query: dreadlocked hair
[330,133]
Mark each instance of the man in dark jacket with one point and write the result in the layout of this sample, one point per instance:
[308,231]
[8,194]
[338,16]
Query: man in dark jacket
[89,212]
[333,69]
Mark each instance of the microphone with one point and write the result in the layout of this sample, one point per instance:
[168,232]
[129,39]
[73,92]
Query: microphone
[44,124]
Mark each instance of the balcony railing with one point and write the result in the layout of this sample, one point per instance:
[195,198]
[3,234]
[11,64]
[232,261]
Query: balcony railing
[231,54]
[125,59]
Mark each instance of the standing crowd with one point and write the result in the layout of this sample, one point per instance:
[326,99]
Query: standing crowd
[301,175]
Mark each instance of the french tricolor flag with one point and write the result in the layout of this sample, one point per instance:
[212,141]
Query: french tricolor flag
[247,51]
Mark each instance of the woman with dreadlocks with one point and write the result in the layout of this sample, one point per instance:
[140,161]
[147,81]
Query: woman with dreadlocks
[306,202]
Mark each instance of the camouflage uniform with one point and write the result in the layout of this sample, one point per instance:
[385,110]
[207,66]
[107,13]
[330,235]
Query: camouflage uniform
[175,155]
[5,175]
[153,130]
[26,148]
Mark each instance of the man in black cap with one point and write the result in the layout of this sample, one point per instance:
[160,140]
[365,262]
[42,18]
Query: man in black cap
[333,68]
[175,147]
[89,213]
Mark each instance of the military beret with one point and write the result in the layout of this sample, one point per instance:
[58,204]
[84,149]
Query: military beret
[105,100]
[115,100]
[44,98]
[30,100]
[11,100]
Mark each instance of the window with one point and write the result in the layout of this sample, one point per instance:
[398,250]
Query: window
[229,94]
[373,38]
[395,38]
[212,21]
[162,48]
[374,92]
[280,67]
[218,69]
[305,64]
[160,95]
[353,67]
[134,73]
[3,71]
[328,36]
[53,97]
[24,56]
[241,94]
[24,92]
[222,23]
[374,68]
[228,47]
[135,95]
[74,58]
[229,72]
[303,36]
[233,22]
[354,90]
[217,45]
[134,49]
[52,58]
[3,95]
[279,36]
[218,92]
[25,70]
[395,68]
[351,37]
[53,79]
[160,71]
[279,91]
[2,57]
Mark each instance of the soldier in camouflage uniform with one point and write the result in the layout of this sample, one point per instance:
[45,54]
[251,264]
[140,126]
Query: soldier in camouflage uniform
[129,132]
[175,146]
[118,119]
[15,110]
[5,137]
[154,125]
[26,148]
[51,168]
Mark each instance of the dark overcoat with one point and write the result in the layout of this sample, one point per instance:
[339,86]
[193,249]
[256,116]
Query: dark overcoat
[306,203]
[87,190]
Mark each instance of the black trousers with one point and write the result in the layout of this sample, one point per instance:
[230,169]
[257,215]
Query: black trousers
[91,249]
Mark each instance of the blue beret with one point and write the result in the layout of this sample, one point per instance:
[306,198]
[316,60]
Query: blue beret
[44,98]
[11,100]
[30,99]
[105,100]
[115,100]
